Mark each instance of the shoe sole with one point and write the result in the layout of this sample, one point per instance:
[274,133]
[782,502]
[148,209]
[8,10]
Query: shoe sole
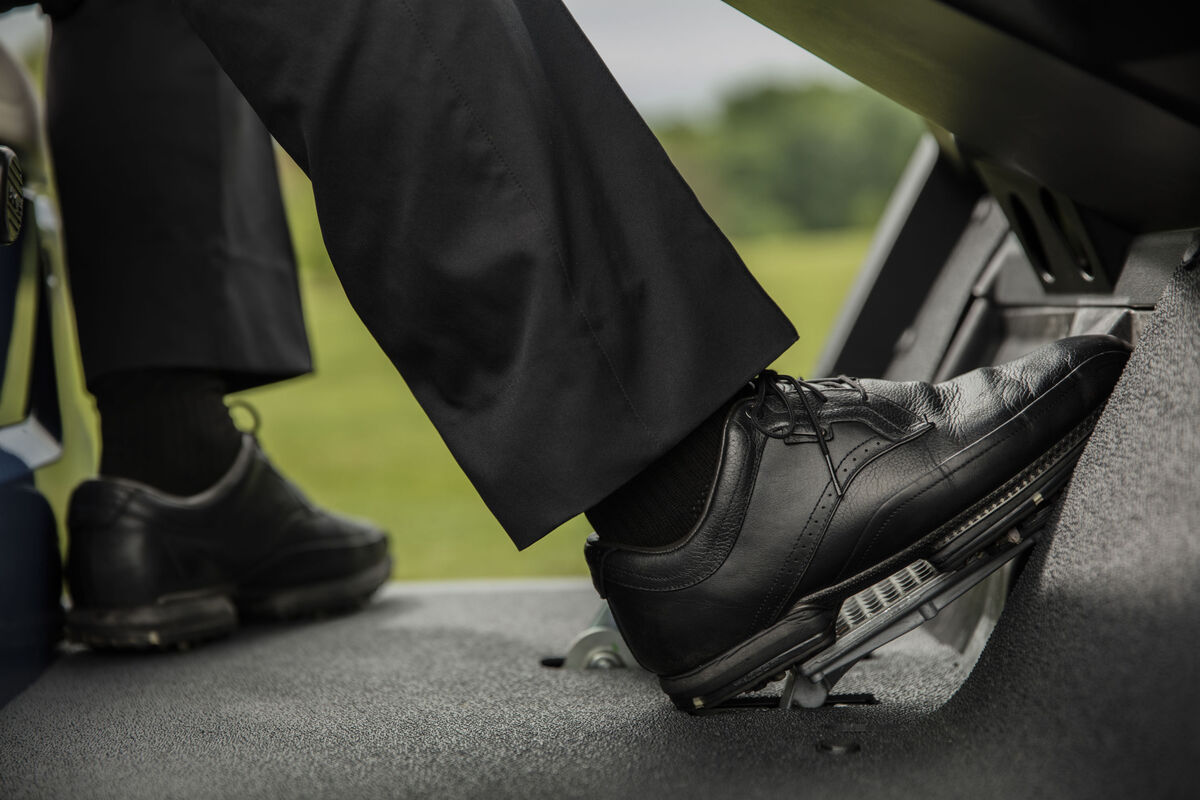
[810,626]
[183,620]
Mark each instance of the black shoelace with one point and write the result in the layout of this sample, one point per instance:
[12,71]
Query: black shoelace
[770,382]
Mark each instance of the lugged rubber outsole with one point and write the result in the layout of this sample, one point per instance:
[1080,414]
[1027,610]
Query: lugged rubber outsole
[181,621]
[765,656]
[175,622]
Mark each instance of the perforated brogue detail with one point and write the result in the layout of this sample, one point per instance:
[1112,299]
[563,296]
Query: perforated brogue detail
[793,566]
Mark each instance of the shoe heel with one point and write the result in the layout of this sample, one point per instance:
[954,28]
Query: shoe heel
[754,663]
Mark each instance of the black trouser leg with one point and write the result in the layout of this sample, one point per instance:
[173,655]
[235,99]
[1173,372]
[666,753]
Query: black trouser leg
[510,232]
[178,248]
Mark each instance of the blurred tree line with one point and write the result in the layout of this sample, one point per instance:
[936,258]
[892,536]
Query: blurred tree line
[788,158]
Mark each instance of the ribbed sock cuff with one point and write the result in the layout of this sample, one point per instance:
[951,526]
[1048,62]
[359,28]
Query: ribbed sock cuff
[166,428]
[661,504]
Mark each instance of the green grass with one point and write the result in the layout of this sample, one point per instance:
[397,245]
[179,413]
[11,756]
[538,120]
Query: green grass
[354,438]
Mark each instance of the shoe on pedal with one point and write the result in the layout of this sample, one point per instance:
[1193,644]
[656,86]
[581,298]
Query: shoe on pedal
[827,487]
[147,569]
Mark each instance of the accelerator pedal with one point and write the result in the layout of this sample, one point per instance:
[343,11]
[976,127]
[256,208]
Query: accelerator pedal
[887,610]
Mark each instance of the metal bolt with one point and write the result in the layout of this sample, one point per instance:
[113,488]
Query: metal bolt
[604,660]
[980,212]
[1014,537]
[1191,256]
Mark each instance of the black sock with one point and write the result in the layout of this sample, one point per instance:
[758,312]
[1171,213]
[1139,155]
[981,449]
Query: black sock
[167,428]
[664,501]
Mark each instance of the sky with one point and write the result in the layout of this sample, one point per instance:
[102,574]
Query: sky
[671,56]
[682,55]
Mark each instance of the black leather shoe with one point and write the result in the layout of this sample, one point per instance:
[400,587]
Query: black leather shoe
[147,569]
[825,488]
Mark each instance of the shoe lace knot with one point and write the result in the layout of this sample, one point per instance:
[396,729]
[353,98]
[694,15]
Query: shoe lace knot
[771,384]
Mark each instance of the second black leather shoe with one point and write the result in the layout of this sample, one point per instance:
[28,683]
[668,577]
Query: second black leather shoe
[825,488]
[148,569]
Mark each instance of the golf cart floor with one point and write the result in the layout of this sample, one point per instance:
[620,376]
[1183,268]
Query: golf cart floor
[1087,687]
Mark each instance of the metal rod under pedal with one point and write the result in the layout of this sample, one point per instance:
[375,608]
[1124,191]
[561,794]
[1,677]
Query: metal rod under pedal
[801,692]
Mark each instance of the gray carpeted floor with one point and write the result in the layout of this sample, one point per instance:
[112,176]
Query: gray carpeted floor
[1087,689]
[436,689]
